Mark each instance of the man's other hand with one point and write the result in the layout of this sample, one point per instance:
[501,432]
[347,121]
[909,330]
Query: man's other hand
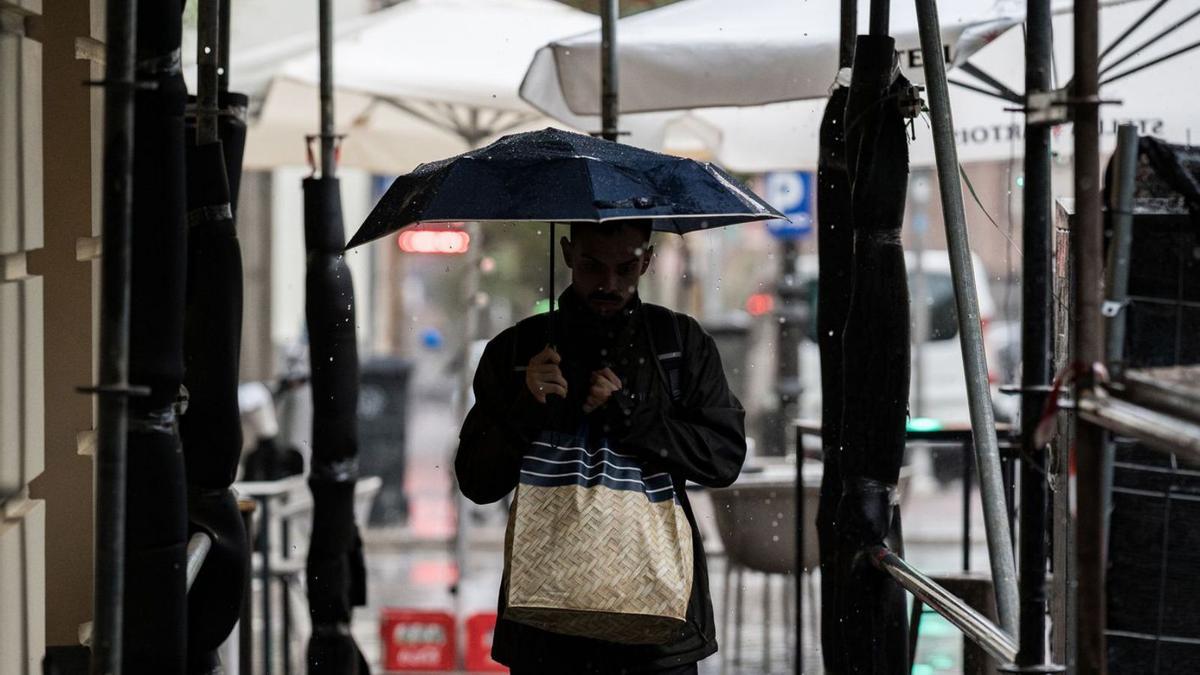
[543,377]
[604,383]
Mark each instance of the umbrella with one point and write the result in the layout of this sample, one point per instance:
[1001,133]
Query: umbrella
[406,95]
[765,60]
[558,176]
[783,135]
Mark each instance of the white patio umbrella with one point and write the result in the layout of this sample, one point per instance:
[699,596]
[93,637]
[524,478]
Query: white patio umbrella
[708,53]
[421,80]
[783,135]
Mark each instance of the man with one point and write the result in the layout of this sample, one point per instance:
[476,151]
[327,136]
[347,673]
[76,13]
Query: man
[603,369]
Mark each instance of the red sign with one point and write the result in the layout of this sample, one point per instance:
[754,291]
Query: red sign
[417,641]
[439,241]
[479,644]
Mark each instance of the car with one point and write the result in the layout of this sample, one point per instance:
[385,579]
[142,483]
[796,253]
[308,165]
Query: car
[938,393]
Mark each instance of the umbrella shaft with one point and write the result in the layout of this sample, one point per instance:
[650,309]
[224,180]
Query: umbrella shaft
[550,286]
[325,18]
[608,71]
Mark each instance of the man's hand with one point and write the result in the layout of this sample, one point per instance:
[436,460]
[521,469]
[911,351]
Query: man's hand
[543,377]
[604,383]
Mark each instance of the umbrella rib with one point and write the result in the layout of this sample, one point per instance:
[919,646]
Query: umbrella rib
[1160,35]
[1149,64]
[517,120]
[983,76]
[985,92]
[396,103]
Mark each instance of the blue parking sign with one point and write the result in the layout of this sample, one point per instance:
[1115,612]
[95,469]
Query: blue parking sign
[791,193]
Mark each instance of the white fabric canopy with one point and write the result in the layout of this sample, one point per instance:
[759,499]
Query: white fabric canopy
[784,135]
[419,81]
[705,53]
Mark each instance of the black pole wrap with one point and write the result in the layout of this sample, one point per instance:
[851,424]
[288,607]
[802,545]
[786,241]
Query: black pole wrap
[211,428]
[871,606]
[156,517]
[336,578]
[835,252]
[233,139]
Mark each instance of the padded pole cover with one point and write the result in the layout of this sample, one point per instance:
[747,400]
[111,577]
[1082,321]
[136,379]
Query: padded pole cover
[835,254]
[155,613]
[211,428]
[336,579]
[876,363]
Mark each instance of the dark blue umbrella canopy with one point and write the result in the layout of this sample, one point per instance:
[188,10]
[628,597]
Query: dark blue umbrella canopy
[558,176]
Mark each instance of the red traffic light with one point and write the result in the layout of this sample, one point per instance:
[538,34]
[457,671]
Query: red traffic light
[442,242]
[760,303]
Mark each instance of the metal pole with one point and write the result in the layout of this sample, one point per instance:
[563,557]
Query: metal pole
[983,422]
[265,576]
[197,551]
[1037,353]
[791,315]
[550,284]
[223,45]
[967,469]
[1121,212]
[207,65]
[325,18]
[848,32]
[798,574]
[608,69]
[1087,337]
[879,19]
[974,625]
[113,419]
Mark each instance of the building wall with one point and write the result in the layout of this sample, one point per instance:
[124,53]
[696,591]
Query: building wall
[22,518]
[49,160]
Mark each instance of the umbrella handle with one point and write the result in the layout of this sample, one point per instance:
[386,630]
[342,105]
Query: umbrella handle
[550,291]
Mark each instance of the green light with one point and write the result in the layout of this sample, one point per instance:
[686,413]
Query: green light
[541,306]
[923,424]
[941,662]
[1020,181]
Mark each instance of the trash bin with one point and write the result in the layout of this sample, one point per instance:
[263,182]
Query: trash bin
[732,335]
[382,429]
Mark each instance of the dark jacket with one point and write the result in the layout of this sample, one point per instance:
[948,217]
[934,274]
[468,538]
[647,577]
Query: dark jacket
[701,438]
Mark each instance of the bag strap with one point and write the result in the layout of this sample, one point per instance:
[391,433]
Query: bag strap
[667,344]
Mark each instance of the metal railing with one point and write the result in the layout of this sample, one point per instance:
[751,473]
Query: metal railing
[197,550]
[993,639]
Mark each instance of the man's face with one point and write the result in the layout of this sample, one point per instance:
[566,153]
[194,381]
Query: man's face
[606,266]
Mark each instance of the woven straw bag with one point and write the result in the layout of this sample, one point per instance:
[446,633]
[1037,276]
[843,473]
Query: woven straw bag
[596,546]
